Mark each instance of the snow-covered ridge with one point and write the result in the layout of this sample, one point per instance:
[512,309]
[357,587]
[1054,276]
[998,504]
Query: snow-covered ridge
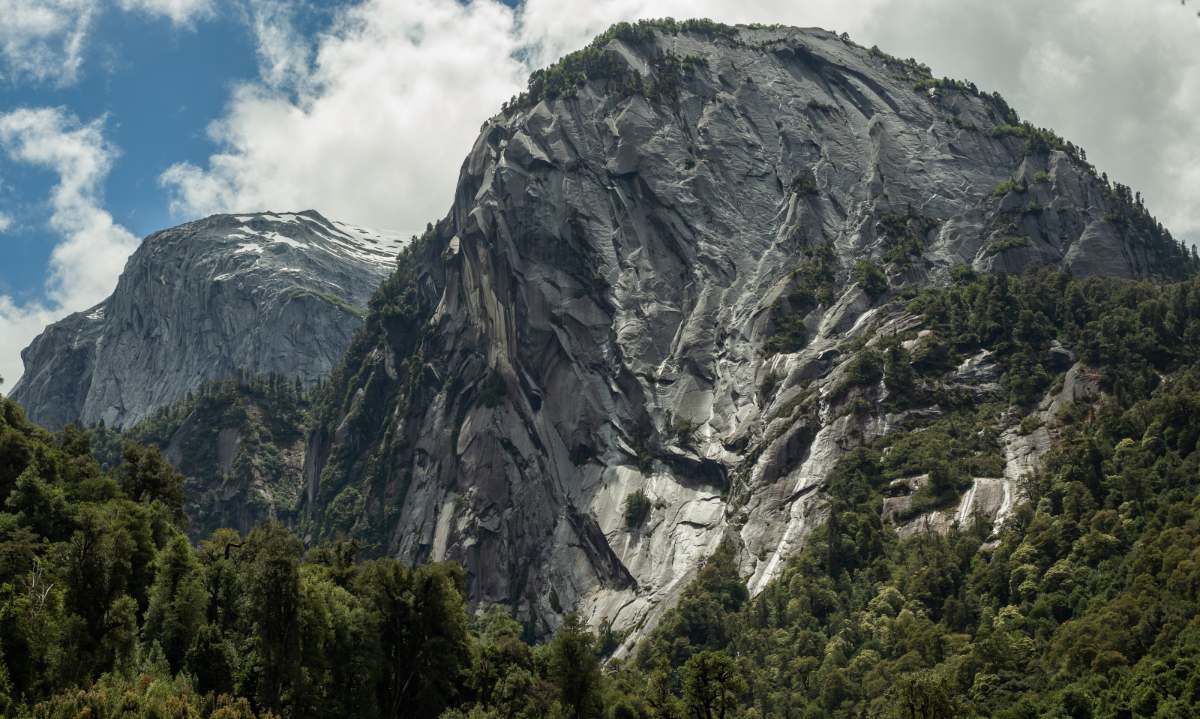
[265,293]
[310,231]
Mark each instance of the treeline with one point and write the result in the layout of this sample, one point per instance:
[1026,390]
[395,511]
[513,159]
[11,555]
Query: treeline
[106,610]
[1085,604]
[287,397]
[267,410]
[1132,332]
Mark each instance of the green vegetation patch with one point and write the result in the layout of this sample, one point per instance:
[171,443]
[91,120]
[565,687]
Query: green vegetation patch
[1005,243]
[871,278]
[904,235]
[1009,186]
[297,292]
[813,285]
[637,509]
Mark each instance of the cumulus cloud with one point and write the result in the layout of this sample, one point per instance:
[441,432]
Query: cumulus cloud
[179,12]
[284,53]
[43,40]
[371,124]
[92,249]
[375,130]
[5,222]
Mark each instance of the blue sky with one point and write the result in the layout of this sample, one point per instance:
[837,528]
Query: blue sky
[122,117]
[156,85]
[157,88]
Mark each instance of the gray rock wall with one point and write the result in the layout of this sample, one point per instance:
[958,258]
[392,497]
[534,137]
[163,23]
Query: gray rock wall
[263,293]
[591,318]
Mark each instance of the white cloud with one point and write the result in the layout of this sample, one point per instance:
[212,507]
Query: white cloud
[372,125]
[92,250]
[284,54]
[44,40]
[375,130]
[179,12]
[5,222]
[1120,79]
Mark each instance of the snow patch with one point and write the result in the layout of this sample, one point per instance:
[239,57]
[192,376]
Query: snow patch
[347,242]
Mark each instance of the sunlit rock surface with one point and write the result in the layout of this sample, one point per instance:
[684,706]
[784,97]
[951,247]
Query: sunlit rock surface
[594,316]
[262,294]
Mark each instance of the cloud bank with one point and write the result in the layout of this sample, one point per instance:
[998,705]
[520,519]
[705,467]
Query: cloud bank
[373,130]
[43,40]
[92,249]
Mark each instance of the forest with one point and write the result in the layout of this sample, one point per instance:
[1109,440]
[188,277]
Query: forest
[1083,604]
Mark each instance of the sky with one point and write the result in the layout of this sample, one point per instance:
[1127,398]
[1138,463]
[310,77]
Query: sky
[122,117]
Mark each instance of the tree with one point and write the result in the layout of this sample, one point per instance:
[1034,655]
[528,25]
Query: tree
[271,603]
[210,660]
[42,506]
[420,620]
[898,373]
[177,600]
[575,668]
[637,509]
[106,566]
[921,696]
[146,476]
[870,278]
[712,685]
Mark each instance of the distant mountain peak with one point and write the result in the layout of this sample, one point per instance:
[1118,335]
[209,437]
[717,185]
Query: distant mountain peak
[260,293]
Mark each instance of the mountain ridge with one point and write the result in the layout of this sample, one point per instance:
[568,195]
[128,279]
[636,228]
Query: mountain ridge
[670,273]
[264,293]
[660,268]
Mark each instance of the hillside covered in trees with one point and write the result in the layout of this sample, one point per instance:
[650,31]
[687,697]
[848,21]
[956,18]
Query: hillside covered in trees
[1085,603]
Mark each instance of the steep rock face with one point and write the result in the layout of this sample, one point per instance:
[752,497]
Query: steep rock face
[265,293]
[649,281]
[1024,446]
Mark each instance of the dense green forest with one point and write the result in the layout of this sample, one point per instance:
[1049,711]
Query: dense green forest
[240,445]
[1085,604]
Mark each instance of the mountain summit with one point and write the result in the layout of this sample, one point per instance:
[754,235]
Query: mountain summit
[262,293]
[650,325]
[640,331]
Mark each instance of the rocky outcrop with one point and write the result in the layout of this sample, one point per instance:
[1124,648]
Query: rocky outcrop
[647,281]
[261,294]
[1025,445]
[988,498]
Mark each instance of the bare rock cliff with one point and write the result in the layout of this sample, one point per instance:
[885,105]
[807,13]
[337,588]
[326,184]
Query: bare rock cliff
[657,269]
[262,294]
